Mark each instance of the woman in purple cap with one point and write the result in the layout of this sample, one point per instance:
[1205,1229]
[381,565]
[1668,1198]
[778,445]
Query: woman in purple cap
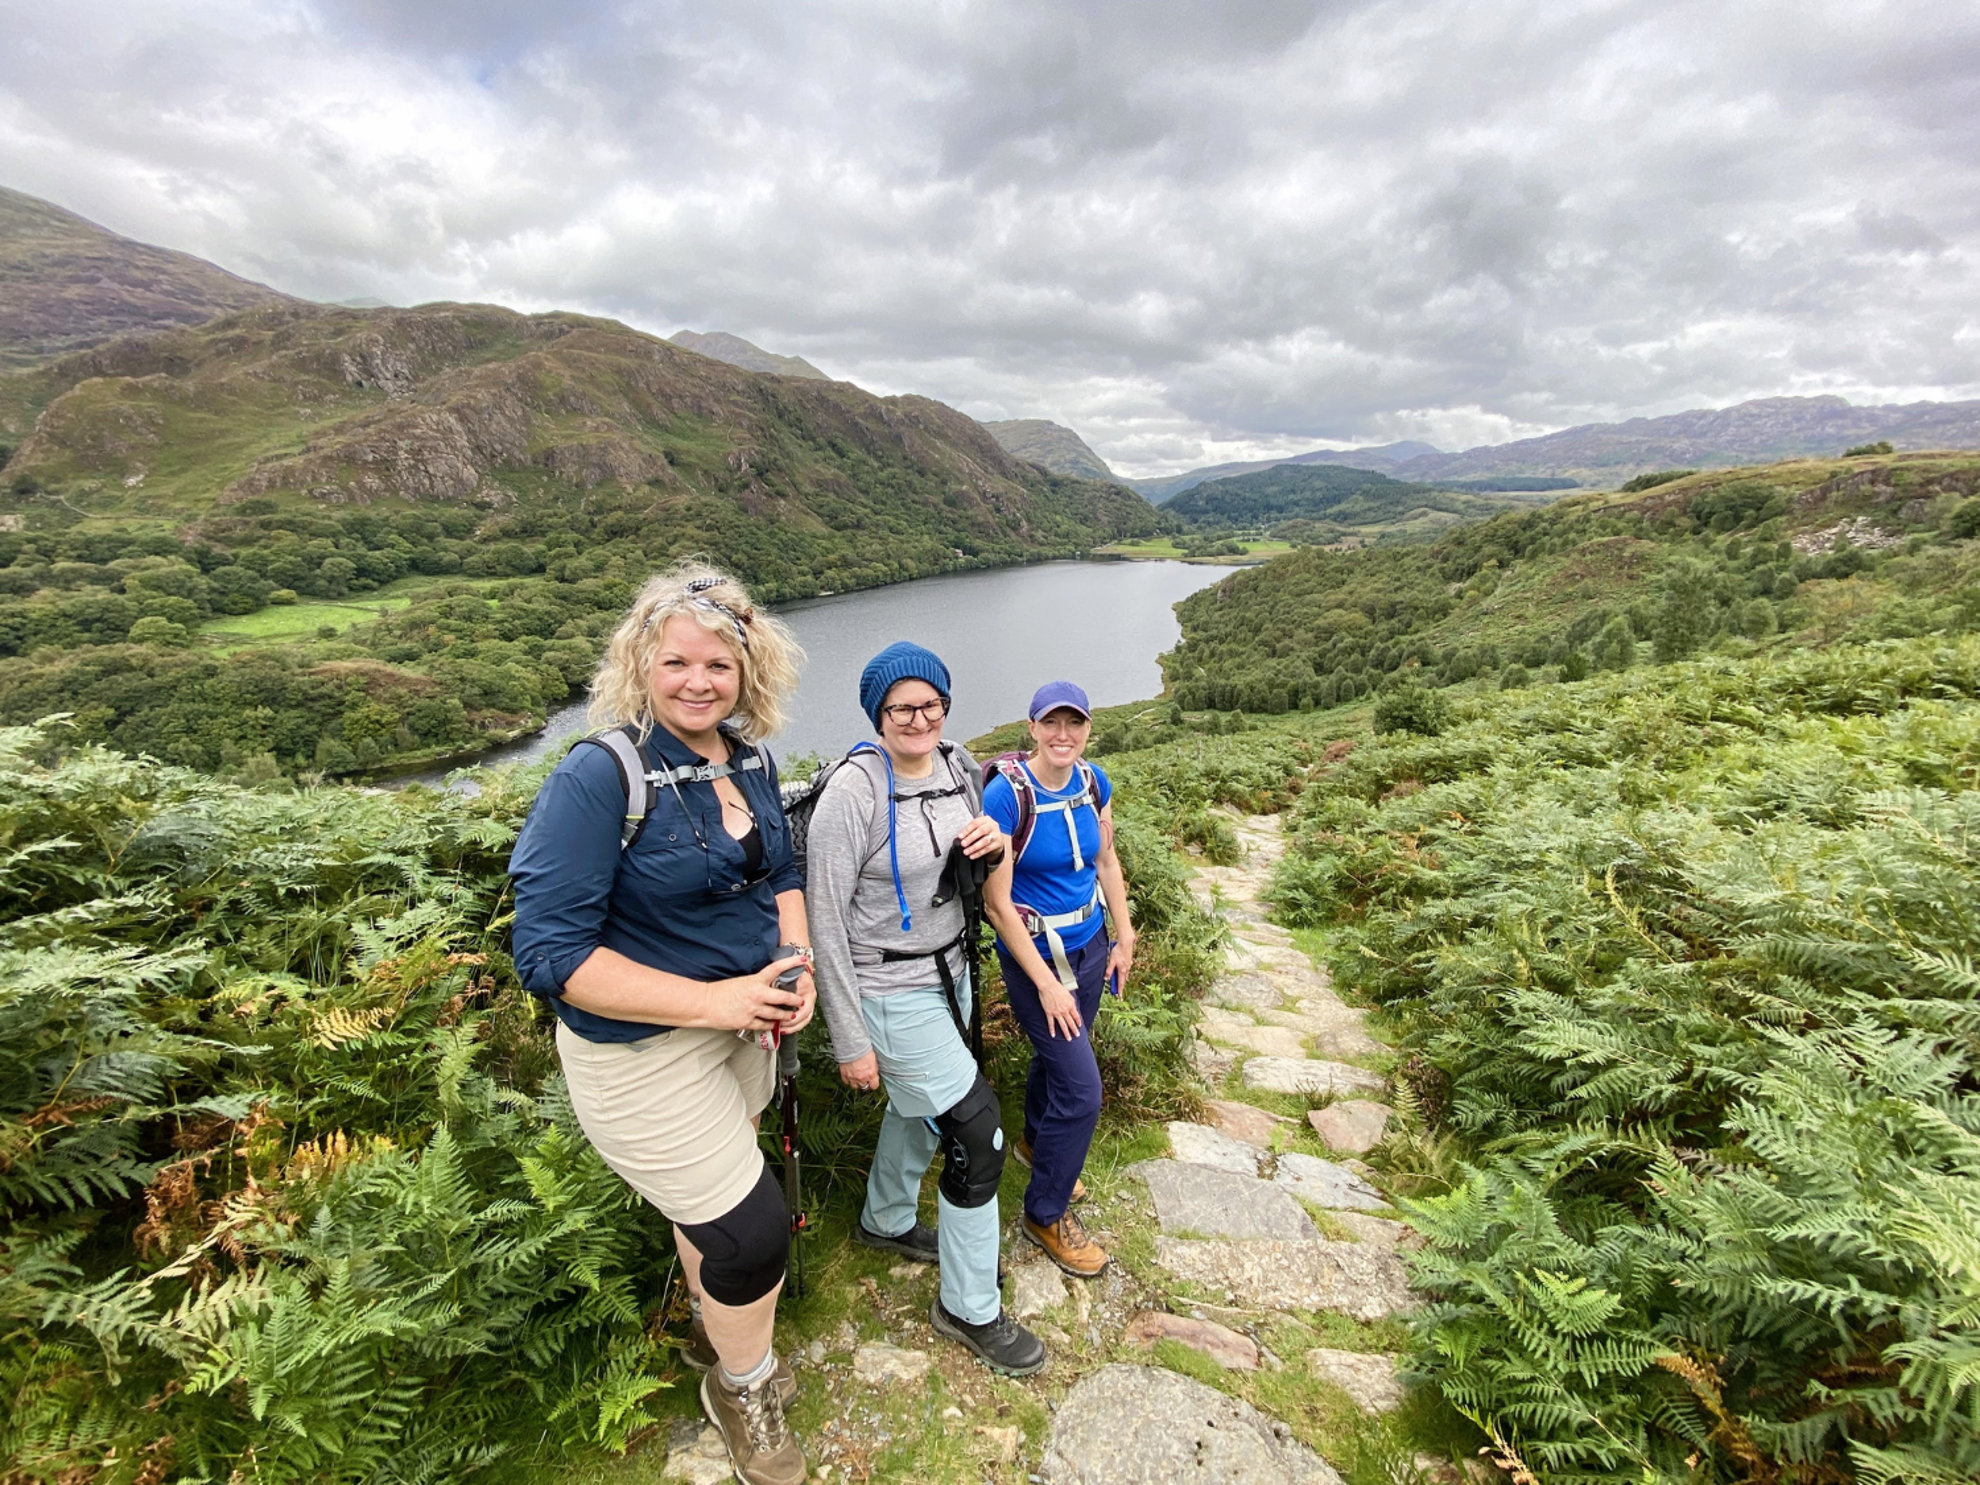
[1045,902]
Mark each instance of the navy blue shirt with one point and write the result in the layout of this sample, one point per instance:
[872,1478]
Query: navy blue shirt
[664,901]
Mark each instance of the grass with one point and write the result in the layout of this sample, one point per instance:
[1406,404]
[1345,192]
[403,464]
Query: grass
[285,623]
[1163,548]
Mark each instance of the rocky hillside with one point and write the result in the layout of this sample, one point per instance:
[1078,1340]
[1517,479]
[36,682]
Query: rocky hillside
[472,403]
[736,351]
[1053,445]
[66,284]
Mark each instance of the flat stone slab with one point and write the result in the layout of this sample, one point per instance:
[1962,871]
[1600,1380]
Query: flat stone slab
[1142,1425]
[1354,1126]
[1271,1041]
[1036,1286]
[880,1365]
[1370,1380]
[1242,1121]
[1231,1351]
[1359,1280]
[1310,1075]
[1252,991]
[1326,1184]
[1212,1063]
[1220,1203]
[1198,1144]
[1380,1231]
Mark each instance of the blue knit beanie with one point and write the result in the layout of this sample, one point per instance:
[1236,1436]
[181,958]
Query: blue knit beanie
[900,661]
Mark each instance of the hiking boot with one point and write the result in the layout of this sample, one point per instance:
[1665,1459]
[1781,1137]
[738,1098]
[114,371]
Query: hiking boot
[751,1422]
[918,1242]
[1002,1344]
[1022,1149]
[699,1353]
[1065,1242]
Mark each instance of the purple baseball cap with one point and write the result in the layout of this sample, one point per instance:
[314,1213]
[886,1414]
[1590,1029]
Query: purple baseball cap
[1055,694]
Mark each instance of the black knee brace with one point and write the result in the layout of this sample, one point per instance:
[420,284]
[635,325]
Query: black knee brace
[972,1147]
[743,1250]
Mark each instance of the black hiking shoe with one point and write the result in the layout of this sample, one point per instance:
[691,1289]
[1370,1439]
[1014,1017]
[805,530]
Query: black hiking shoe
[1002,1344]
[918,1242]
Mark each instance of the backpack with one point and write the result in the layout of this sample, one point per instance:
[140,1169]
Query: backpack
[801,800]
[1012,767]
[642,785]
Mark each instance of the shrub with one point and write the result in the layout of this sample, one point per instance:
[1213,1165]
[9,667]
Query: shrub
[1644,482]
[1411,707]
[1882,446]
[1965,522]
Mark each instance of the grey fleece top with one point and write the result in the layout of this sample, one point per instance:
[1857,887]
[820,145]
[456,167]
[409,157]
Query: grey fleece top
[849,890]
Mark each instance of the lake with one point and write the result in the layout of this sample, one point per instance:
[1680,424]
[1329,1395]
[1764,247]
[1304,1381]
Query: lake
[1003,633]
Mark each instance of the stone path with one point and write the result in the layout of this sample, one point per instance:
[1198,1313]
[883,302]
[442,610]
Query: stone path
[1236,1222]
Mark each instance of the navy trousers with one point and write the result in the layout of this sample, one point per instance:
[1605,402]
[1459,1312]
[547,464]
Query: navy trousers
[1062,1093]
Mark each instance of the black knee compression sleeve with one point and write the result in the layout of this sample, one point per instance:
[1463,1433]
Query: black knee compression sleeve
[743,1250]
[972,1147]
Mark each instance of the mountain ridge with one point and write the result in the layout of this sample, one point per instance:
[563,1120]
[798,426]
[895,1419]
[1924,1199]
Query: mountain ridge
[1054,446]
[67,284]
[733,350]
[1604,455]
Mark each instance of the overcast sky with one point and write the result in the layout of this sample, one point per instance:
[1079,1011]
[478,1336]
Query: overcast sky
[1191,231]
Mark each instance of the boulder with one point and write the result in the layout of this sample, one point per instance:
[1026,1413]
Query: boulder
[1354,1126]
[696,1454]
[1140,1425]
[1198,1144]
[1359,1280]
[1207,1202]
[1231,1351]
[1368,1379]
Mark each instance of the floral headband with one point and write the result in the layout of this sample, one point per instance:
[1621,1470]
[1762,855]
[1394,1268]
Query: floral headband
[694,590]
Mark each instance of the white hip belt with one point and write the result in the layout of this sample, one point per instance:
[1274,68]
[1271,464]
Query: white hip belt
[1044,925]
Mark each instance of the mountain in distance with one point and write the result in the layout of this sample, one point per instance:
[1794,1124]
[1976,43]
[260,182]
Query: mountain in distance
[67,284]
[735,351]
[1053,445]
[1332,501]
[1382,457]
[1605,455]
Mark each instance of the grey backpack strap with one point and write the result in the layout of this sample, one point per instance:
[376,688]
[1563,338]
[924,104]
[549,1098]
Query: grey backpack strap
[632,780]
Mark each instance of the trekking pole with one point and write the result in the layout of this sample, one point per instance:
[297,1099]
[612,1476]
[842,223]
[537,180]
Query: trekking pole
[787,1069]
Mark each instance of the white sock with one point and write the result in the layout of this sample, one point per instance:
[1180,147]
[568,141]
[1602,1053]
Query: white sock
[754,1375]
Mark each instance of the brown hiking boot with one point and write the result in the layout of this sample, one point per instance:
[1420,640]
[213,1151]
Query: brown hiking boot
[751,1422]
[1022,1149]
[699,1353]
[1065,1242]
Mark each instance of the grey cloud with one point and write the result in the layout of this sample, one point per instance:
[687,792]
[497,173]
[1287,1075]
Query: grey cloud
[1192,230]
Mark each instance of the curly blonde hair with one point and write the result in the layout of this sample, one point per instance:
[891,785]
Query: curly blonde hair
[764,649]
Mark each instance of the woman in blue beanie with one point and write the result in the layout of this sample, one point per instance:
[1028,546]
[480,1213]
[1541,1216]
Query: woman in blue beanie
[886,918]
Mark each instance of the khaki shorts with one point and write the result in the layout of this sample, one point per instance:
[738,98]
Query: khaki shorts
[671,1114]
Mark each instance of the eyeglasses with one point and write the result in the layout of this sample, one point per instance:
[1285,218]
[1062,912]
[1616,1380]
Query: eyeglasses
[901,713]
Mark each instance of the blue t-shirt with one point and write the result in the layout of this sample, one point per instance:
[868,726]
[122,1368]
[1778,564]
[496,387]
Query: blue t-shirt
[1044,878]
[664,901]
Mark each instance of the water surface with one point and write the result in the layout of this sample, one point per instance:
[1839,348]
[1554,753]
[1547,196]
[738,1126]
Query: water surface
[1002,633]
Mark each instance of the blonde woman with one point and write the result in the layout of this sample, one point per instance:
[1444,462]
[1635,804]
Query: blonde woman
[659,942]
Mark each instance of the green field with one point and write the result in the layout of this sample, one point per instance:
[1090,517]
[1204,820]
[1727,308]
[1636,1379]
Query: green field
[293,622]
[1164,549]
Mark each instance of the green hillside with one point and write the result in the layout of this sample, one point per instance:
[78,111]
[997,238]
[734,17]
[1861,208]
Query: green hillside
[1784,555]
[335,539]
[1321,503]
